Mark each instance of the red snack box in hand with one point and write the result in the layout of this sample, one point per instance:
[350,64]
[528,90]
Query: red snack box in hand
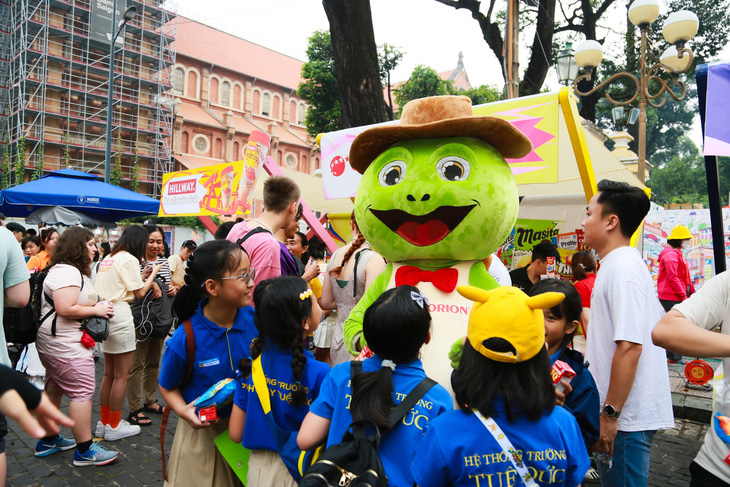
[365,353]
[561,371]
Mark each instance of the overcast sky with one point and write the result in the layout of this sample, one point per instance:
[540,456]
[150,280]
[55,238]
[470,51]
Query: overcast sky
[428,32]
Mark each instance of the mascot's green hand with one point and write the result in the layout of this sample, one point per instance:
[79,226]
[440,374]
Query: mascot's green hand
[455,352]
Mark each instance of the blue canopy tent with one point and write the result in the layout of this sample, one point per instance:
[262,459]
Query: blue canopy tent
[78,191]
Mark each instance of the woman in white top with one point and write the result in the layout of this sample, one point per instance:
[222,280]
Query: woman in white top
[151,313]
[118,280]
[69,297]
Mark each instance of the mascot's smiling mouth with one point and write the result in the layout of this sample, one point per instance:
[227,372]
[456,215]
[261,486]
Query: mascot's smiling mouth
[423,230]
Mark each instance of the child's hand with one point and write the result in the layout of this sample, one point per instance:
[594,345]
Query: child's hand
[188,414]
[560,395]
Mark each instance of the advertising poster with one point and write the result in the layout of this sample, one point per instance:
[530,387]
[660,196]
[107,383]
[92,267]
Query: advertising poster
[700,257]
[210,190]
[556,219]
[100,20]
[536,116]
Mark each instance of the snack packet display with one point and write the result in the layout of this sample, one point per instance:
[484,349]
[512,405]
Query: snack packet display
[253,160]
[218,396]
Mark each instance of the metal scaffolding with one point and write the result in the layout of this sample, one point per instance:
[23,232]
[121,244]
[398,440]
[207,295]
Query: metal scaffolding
[54,82]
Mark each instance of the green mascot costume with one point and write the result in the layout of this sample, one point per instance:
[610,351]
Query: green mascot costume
[436,200]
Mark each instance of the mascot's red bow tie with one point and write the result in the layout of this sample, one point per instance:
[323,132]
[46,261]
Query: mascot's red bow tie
[443,279]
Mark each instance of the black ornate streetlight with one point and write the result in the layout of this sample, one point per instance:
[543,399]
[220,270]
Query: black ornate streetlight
[678,29]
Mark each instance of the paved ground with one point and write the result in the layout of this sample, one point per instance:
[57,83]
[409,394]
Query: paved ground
[139,462]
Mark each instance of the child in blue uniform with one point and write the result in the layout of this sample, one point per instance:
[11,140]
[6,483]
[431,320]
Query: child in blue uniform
[561,322]
[395,326]
[286,312]
[215,298]
[508,431]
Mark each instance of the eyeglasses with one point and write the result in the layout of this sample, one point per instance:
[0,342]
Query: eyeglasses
[245,277]
[300,211]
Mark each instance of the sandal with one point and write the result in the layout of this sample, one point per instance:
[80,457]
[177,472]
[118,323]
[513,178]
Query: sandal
[154,410]
[138,418]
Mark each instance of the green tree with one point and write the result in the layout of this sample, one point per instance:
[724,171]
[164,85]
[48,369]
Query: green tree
[540,13]
[356,62]
[388,57]
[424,81]
[483,94]
[5,165]
[134,183]
[116,175]
[38,170]
[66,156]
[20,161]
[319,88]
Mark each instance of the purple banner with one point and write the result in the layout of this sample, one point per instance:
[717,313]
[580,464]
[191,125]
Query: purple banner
[717,118]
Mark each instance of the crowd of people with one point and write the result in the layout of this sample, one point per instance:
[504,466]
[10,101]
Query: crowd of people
[262,296]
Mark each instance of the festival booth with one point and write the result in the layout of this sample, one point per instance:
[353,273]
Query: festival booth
[88,199]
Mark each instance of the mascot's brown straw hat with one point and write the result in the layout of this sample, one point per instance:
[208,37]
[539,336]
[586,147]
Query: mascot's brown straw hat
[434,117]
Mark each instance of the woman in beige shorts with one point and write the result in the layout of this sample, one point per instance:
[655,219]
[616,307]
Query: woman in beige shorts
[118,280]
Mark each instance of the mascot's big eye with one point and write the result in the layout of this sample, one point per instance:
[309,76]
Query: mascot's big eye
[393,173]
[453,168]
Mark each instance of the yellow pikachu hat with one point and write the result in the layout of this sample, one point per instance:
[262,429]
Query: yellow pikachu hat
[508,313]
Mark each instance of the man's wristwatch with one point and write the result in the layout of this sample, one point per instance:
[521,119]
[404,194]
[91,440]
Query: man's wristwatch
[611,412]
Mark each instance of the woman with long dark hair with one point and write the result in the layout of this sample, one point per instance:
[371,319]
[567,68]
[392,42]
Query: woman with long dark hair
[350,271]
[118,280]
[154,310]
[68,361]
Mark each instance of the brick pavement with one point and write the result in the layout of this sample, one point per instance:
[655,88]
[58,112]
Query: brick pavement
[139,462]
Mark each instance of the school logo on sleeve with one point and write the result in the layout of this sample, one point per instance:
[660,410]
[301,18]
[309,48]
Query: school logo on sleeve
[209,363]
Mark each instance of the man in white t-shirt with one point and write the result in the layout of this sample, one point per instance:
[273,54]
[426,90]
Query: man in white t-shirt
[686,329]
[629,370]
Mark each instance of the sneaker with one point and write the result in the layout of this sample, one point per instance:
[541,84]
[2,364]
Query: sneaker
[100,430]
[59,444]
[123,430]
[591,476]
[95,455]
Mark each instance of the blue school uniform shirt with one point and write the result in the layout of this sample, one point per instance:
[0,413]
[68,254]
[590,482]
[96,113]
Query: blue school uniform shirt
[583,402]
[459,451]
[398,446]
[276,363]
[217,353]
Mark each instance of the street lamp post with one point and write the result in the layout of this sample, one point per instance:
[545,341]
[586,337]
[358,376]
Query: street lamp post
[128,15]
[678,29]
[565,65]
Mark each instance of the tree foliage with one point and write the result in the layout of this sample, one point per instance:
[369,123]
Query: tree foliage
[115,176]
[483,94]
[319,87]
[388,57]
[20,160]
[38,169]
[424,81]
[682,178]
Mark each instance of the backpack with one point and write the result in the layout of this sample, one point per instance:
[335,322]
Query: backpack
[36,301]
[355,461]
[21,324]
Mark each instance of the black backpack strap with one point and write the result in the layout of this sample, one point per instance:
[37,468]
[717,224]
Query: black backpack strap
[411,400]
[49,300]
[354,272]
[251,234]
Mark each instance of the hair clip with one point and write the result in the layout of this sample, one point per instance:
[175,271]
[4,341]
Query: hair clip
[420,299]
[388,363]
[305,294]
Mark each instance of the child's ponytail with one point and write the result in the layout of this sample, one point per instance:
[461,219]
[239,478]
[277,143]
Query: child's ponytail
[372,397]
[395,326]
[282,306]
